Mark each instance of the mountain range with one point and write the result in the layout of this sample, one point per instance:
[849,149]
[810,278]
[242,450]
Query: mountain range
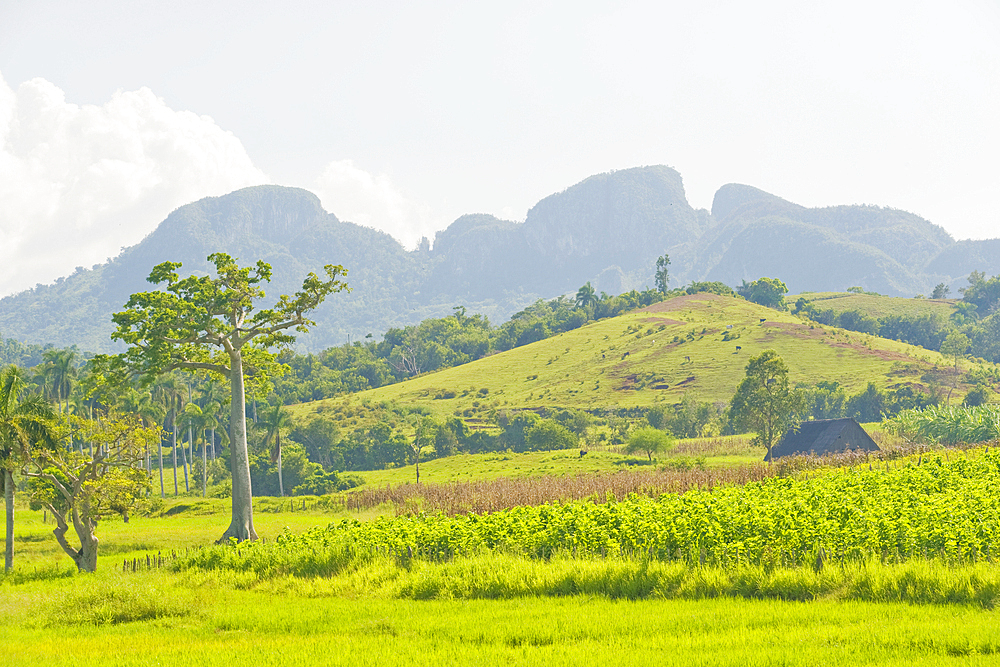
[608,229]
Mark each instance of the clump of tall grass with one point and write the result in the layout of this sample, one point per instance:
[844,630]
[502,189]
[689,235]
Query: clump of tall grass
[732,445]
[503,576]
[456,498]
[317,553]
[23,575]
[109,601]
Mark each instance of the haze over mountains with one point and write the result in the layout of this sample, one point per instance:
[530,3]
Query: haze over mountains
[608,229]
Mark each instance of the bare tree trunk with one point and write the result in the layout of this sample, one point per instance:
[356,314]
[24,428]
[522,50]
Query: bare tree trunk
[204,466]
[159,446]
[184,463]
[281,479]
[241,526]
[8,496]
[86,556]
[173,449]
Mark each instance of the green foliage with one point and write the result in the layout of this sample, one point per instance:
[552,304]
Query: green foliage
[978,395]
[982,293]
[764,403]
[768,292]
[549,434]
[82,490]
[714,287]
[948,425]
[941,509]
[940,291]
[586,296]
[662,277]
[14,352]
[649,441]
[301,476]
[828,400]
[955,346]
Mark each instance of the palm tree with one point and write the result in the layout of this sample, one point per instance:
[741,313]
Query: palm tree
[23,423]
[193,418]
[276,419]
[211,400]
[59,369]
[141,403]
[169,391]
[586,296]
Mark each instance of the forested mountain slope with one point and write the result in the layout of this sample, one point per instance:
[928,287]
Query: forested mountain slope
[608,229]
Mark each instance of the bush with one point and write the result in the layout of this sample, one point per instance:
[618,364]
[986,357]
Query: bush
[649,441]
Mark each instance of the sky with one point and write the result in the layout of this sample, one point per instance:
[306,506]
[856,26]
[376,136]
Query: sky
[403,116]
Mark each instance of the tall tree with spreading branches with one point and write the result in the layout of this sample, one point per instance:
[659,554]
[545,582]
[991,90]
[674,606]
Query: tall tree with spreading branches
[764,403]
[205,323]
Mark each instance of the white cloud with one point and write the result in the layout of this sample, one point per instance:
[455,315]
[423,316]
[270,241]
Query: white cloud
[77,183]
[355,195]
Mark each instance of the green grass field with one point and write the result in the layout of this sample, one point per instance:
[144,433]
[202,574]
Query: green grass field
[467,467]
[877,306]
[207,626]
[369,616]
[656,354]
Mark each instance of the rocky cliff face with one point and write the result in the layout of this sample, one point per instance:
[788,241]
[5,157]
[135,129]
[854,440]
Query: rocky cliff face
[608,229]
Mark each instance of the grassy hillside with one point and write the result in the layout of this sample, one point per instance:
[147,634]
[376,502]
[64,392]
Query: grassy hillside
[697,344]
[878,306]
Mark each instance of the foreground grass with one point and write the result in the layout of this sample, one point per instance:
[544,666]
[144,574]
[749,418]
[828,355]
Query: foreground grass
[154,618]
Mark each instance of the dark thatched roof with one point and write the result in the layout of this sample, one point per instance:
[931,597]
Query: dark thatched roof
[823,436]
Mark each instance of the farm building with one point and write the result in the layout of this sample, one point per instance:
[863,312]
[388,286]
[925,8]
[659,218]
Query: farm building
[823,436]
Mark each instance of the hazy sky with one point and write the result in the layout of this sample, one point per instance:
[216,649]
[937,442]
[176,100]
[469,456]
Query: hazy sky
[404,115]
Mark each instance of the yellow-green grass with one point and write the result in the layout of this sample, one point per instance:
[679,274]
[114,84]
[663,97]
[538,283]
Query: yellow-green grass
[182,523]
[205,626]
[878,306]
[468,467]
[634,361]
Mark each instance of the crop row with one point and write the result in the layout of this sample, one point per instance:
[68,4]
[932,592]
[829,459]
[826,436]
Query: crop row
[937,508]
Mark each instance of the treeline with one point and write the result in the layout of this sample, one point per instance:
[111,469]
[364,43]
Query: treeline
[976,316]
[13,352]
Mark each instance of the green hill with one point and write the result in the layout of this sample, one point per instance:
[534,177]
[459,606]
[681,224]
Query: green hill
[697,344]
[877,305]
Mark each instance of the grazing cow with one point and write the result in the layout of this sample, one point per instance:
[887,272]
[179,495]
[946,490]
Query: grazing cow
[729,326]
[738,348]
[625,355]
[583,452]
[763,319]
[688,359]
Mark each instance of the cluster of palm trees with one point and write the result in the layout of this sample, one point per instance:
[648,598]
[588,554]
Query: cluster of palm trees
[190,409]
